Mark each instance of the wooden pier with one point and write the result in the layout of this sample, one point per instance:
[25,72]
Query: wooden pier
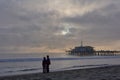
[90,51]
[96,53]
[107,53]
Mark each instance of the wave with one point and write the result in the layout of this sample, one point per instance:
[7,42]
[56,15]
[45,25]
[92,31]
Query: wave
[82,66]
[60,69]
[40,59]
[21,70]
[20,60]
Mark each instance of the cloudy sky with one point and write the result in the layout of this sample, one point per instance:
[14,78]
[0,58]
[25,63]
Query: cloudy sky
[56,25]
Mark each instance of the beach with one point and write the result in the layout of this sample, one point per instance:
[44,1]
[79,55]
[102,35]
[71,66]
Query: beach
[98,73]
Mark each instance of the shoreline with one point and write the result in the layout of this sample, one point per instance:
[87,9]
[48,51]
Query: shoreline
[98,73]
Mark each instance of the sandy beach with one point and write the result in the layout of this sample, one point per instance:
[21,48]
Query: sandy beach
[101,73]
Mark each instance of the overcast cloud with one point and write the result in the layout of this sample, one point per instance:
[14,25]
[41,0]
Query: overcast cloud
[57,25]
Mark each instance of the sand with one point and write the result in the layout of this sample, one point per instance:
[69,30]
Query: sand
[101,73]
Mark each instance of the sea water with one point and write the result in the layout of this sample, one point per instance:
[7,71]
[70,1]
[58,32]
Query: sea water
[13,64]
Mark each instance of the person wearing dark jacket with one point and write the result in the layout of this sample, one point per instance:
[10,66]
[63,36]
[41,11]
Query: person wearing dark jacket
[48,63]
[44,65]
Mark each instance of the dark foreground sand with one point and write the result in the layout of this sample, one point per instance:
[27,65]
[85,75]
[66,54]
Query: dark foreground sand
[103,73]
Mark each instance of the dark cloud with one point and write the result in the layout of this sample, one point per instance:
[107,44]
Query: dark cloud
[57,24]
[103,24]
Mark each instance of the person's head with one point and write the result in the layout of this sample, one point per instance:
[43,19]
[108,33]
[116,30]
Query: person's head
[47,56]
[44,58]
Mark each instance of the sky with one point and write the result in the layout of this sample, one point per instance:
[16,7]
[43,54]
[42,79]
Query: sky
[36,26]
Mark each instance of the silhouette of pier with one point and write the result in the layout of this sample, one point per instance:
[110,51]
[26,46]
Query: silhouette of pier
[95,53]
[90,51]
[107,53]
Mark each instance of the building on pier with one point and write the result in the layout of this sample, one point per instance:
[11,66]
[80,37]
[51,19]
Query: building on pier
[82,50]
[89,51]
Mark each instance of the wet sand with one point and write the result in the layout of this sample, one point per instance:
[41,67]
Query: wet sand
[101,73]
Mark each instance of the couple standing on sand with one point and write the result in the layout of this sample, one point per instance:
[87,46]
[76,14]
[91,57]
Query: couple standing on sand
[45,63]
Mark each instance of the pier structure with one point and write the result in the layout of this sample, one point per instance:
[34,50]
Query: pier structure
[82,50]
[90,51]
[107,53]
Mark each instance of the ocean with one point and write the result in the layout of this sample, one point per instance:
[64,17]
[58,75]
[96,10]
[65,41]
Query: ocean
[13,64]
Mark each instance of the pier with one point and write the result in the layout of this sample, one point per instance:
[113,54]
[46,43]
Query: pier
[107,53]
[94,53]
[90,51]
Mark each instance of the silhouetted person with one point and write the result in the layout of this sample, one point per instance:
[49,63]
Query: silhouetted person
[48,64]
[44,65]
